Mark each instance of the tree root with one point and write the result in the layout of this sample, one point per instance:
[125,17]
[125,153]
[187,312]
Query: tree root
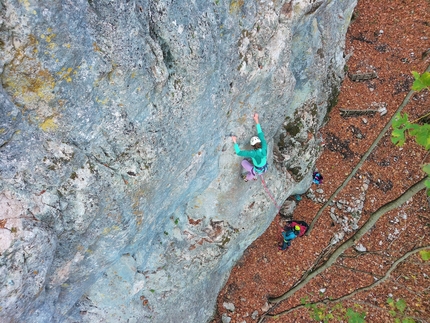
[353,239]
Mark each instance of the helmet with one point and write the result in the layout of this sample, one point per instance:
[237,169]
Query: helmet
[254,140]
[297,228]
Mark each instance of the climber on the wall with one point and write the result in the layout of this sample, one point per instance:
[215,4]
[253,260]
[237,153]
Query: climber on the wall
[258,155]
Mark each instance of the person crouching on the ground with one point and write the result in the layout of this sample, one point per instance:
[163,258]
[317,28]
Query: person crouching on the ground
[258,155]
[288,234]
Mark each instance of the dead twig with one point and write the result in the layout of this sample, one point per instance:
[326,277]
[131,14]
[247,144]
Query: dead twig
[363,253]
[358,290]
[358,270]
[355,113]
[355,77]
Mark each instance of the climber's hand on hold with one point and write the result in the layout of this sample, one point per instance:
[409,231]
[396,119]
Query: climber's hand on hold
[233,138]
[256,117]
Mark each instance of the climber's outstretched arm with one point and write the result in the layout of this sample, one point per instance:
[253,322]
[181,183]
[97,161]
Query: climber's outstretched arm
[260,133]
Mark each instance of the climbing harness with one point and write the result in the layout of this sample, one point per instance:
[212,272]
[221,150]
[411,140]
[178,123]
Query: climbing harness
[261,170]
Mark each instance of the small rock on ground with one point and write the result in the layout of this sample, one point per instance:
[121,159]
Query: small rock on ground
[360,248]
[225,318]
[229,306]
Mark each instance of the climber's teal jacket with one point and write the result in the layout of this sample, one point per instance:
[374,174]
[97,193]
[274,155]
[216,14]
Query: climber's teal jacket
[258,156]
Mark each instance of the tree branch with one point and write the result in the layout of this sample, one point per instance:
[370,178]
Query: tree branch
[352,240]
[407,288]
[357,270]
[362,289]
[363,158]
[363,253]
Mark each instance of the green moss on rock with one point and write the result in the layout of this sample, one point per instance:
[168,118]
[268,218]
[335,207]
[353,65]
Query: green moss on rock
[332,100]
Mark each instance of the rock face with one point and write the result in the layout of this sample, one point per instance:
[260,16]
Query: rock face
[120,194]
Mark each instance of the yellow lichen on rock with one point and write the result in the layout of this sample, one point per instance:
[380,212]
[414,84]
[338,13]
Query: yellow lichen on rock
[27,82]
[26,4]
[65,74]
[24,78]
[48,125]
[235,5]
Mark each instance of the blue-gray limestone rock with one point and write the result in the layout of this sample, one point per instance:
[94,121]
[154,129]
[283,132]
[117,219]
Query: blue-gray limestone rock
[120,193]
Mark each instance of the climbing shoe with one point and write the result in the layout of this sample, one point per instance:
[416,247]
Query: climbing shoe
[245,179]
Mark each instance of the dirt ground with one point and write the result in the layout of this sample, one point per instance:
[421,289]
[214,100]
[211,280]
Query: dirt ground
[391,38]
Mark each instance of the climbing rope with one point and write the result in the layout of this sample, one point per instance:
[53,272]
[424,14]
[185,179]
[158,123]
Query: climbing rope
[268,193]
[281,228]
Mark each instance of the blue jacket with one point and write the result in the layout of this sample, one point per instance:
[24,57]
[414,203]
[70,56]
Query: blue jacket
[288,236]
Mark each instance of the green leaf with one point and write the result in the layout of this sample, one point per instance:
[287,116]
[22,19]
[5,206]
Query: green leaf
[398,137]
[390,302]
[315,316]
[421,81]
[426,169]
[392,313]
[396,320]
[400,120]
[416,74]
[338,306]
[422,135]
[425,255]
[401,305]
[408,320]
[319,314]
[354,317]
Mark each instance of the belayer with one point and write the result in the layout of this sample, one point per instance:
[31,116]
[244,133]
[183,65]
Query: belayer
[258,155]
[292,230]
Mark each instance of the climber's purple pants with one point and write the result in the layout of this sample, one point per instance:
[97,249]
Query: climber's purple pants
[249,169]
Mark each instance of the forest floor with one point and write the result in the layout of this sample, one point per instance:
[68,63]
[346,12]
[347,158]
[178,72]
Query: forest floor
[391,38]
